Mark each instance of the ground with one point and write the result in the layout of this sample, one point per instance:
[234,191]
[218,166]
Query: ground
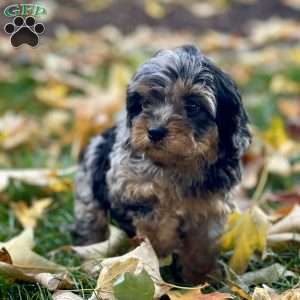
[54,97]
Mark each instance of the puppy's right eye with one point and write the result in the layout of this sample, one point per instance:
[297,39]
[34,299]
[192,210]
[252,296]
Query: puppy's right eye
[134,105]
[146,104]
[192,107]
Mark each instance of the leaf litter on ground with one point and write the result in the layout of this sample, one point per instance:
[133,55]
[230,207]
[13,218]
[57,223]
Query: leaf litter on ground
[19,262]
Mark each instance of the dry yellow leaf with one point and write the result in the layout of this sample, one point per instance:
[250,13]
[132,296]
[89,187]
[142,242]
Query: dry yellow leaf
[56,121]
[268,294]
[54,94]
[240,292]
[274,29]
[65,295]
[107,248]
[55,180]
[281,84]
[28,266]
[96,112]
[141,258]
[198,295]
[28,216]
[154,8]
[16,129]
[276,135]
[246,234]
[191,295]
[20,250]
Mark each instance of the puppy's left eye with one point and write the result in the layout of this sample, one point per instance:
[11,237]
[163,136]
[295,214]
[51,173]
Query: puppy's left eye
[192,107]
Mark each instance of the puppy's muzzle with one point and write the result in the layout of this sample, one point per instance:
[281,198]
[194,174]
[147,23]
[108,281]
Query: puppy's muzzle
[157,134]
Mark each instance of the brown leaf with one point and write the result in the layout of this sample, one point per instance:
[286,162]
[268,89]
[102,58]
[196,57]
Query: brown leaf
[290,109]
[286,197]
[4,256]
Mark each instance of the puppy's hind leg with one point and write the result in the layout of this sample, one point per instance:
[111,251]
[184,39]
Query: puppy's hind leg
[91,224]
[91,204]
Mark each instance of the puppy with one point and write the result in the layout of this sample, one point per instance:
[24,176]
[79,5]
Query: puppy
[166,170]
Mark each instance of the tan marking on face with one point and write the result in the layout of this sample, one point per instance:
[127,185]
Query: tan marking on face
[180,148]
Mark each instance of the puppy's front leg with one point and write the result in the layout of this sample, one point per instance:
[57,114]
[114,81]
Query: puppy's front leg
[199,248]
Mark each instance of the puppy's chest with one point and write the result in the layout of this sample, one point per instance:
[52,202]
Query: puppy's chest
[142,183]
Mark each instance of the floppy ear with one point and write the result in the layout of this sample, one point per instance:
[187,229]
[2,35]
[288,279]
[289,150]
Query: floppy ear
[232,119]
[234,135]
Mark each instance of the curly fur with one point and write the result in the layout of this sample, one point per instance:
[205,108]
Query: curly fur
[175,191]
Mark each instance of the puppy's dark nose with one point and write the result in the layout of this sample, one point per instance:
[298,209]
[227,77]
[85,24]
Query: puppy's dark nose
[157,134]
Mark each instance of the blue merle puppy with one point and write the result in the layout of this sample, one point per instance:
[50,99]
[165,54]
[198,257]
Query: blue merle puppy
[166,170]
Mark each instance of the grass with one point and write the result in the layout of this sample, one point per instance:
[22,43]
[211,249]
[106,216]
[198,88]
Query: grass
[53,230]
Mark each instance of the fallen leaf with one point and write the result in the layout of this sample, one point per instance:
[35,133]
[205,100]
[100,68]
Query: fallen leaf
[267,275]
[198,295]
[56,121]
[108,248]
[65,295]
[283,85]
[4,256]
[268,294]
[28,216]
[283,238]
[16,129]
[289,108]
[154,8]
[141,258]
[246,234]
[291,223]
[54,93]
[110,274]
[206,9]
[291,295]
[279,165]
[96,111]
[134,286]
[240,292]
[191,295]
[55,180]
[28,266]
[292,197]
[274,29]
[263,294]
[276,134]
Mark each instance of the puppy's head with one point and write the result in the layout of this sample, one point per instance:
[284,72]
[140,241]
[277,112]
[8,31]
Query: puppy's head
[183,111]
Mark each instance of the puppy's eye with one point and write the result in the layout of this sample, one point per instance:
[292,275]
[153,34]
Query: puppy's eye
[134,106]
[146,103]
[192,109]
